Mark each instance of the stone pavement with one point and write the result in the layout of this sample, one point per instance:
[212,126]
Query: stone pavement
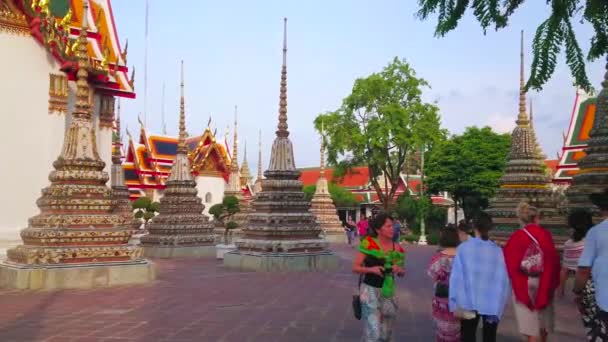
[200,300]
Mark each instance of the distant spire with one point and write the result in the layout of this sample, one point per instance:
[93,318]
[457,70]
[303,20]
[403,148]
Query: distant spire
[259,155]
[522,118]
[245,151]
[181,145]
[234,164]
[282,127]
[531,115]
[322,162]
[117,138]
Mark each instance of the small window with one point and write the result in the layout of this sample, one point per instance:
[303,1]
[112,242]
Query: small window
[208,197]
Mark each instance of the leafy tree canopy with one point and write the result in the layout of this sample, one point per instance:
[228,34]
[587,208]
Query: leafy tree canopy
[144,208]
[379,124]
[468,167]
[552,34]
[341,197]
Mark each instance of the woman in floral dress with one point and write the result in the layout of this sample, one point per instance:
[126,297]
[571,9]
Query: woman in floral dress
[448,326]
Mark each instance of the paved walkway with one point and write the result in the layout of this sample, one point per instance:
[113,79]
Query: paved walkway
[202,301]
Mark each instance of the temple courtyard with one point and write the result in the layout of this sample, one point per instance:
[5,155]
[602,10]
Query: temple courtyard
[200,300]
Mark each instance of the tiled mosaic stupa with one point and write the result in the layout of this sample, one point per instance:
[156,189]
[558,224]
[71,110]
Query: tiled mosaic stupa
[322,206]
[120,192]
[281,233]
[524,179]
[76,241]
[180,229]
[593,174]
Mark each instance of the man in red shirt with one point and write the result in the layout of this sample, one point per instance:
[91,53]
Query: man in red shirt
[362,226]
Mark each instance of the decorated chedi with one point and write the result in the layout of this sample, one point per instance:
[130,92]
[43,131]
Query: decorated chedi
[76,241]
[257,186]
[593,167]
[120,192]
[525,179]
[180,229]
[322,206]
[281,233]
[234,187]
[245,172]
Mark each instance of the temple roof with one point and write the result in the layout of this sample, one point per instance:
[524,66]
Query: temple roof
[575,141]
[148,160]
[56,25]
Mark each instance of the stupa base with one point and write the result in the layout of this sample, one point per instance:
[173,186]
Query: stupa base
[281,262]
[54,277]
[165,252]
[338,237]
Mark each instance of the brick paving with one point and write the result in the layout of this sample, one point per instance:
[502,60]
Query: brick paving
[200,300]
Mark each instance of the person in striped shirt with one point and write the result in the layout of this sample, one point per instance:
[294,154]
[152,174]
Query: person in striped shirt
[580,220]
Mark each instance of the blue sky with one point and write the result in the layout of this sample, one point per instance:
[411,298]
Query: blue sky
[232,56]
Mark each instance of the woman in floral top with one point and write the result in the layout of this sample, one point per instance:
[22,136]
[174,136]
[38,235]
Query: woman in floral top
[448,326]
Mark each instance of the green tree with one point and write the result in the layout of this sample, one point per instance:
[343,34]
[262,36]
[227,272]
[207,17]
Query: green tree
[409,209]
[468,167]
[145,209]
[379,125]
[224,213]
[341,197]
[552,34]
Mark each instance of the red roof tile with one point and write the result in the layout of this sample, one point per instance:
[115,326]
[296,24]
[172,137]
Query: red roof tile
[357,177]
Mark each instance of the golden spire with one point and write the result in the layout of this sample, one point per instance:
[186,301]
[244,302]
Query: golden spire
[531,116]
[117,139]
[322,162]
[181,145]
[234,164]
[259,155]
[82,107]
[522,117]
[282,127]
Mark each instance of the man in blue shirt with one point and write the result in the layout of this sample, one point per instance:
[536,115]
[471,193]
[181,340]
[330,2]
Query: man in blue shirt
[594,263]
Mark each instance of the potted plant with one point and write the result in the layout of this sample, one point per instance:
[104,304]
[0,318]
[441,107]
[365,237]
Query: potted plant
[145,209]
[224,213]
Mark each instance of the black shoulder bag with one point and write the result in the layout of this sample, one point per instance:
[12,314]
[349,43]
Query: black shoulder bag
[357,300]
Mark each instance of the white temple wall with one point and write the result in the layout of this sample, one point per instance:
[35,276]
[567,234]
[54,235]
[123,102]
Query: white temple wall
[32,138]
[210,190]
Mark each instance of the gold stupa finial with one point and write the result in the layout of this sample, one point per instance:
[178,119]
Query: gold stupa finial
[322,161]
[234,164]
[259,155]
[181,145]
[282,127]
[522,117]
[531,115]
[82,107]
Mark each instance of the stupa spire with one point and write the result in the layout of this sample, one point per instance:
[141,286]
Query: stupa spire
[322,161]
[522,117]
[181,144]
[259,155]
[245,172]
[281,156]
[282,127]
[234,180]
[117,138]
[234,164]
